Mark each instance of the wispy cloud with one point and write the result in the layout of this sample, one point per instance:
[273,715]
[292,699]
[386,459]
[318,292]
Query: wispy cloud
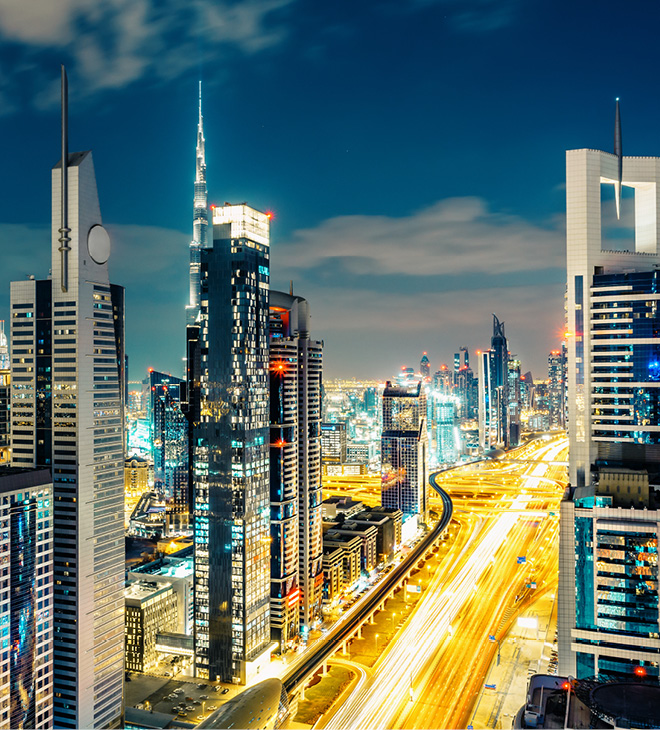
[453,236]
[110,44]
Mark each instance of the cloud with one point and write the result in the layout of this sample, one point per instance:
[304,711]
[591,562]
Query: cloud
[453,236]
[114,43]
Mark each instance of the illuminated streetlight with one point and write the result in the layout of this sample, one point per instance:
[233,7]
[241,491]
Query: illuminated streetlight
[377,635]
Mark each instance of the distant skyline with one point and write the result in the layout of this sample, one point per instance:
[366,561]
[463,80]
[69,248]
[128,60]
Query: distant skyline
[412,154]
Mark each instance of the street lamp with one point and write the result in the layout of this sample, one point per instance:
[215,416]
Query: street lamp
[567,686]
[393,615]
[377,635]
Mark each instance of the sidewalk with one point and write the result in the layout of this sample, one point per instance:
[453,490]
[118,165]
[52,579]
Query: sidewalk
[523,652]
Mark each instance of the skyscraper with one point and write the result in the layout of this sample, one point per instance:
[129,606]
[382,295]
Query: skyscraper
[494,417]
[26,587]
[425,366]
[608,552]
[231,450]
[68,414]
[200,218]
[295,468]
[403,449]
[557,387]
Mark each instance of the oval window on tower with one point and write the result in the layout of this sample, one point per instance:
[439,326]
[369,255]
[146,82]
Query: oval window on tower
[98,244]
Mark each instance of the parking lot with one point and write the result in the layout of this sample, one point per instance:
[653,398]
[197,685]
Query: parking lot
[188,701]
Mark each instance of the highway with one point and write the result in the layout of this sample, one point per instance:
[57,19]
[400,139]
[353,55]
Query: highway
[430,674]
[299,671]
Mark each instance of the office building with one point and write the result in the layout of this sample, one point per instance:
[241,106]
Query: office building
[494,417]
[333,443]
[5,397]
[26,598]
[608,579]
[403,449]
[136,483]
[231,450]
[151,608]
[200,220]
[442,433]
[170,446]
[425,367]
[296,367]
[175,569]
[67,387]
[557,401]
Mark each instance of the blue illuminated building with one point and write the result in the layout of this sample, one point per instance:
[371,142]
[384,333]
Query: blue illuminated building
[26,585]
[231,430]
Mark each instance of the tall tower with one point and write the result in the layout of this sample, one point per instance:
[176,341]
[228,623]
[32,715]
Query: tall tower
[610,517]
[82,419]
[494,390]
[200,218]
[231,451]
[403,449]
[296,365]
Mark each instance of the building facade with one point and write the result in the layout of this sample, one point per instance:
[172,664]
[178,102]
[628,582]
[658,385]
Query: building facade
[296,367]
[26,598]
[151,608]
[231,450]
[403,449]
[494,401]
[608,590]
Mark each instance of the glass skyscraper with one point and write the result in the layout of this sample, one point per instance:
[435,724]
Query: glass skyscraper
[403,449]
[231,450]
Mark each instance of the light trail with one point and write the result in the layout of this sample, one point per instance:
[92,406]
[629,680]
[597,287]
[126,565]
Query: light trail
[378,701]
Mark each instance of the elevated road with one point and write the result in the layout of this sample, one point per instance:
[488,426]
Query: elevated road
[348,625]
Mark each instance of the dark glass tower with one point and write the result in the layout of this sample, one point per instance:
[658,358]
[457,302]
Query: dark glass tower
[231,450]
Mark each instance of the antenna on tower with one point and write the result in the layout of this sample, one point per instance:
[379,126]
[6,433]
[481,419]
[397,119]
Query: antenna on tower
[291,287]
[64,220]
[618,151]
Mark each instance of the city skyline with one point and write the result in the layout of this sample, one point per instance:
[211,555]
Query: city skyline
[456,149]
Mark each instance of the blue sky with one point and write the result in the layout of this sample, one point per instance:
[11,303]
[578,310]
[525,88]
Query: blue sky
[412,153]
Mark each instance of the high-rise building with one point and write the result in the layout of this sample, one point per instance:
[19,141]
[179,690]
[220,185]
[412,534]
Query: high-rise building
[26,598]
[403,449]
[169,441]
[608,569]
[231,449]
[513,395]
[5,397]
[425,366]
[557,387]
[151,608]
[333,443]
[442,428]
[200,219]
[295,468]
[494,391]
[67,336]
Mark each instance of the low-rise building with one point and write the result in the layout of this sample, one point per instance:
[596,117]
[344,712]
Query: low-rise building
[368,535]
[175,570]
[151,608]
[332,507]
[396,515]
[333,572]
[386,532]
[351,546]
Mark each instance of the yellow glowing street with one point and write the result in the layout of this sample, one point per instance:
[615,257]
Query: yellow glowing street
[503,556]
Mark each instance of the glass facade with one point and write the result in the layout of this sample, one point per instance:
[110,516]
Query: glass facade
[26,600]
[625,329]
[403,449]
[231,449]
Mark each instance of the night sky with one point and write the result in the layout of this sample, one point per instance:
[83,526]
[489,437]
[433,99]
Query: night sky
[412,154]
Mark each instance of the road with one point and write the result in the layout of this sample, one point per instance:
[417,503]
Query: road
[429,676]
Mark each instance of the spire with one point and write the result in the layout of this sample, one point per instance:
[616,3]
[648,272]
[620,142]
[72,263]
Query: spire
[618,151]
[64,220]
[200,216]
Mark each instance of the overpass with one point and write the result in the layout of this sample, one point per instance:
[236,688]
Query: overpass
[374,601]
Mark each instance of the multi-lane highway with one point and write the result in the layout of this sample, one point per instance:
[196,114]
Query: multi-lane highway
[502,556]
